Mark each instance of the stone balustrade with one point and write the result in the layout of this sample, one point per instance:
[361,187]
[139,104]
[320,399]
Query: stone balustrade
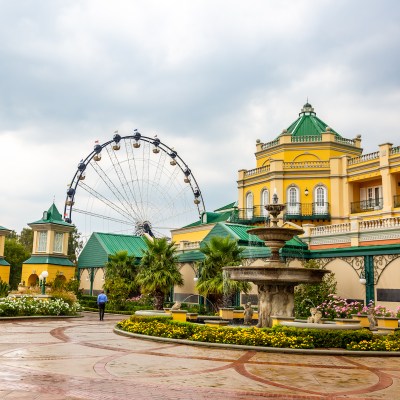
[257,171]
[342,140]
[394,150]
[363,158]
[382,223]
[306,164]
[330,229]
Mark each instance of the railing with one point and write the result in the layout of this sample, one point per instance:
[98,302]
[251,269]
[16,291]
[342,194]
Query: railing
[307,211]
[306,139]
[366,205]
[350,142]
[306,164]
[270,144]
[248,216]
[395,150]
[396,201]
[363,158]
[189,245]
[330,229]
[382,223]
[257,171]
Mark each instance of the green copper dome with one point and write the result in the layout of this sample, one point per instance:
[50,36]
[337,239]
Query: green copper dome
[308,124]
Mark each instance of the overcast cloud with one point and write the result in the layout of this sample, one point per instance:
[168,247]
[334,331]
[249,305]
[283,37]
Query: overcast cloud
[209,77]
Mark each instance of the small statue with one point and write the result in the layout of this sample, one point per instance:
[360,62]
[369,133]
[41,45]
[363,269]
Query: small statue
[372,320]
[316,316]
[176,306]
[248,314]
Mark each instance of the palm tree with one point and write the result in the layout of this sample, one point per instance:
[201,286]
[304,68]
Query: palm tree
[220,252]
[158,271]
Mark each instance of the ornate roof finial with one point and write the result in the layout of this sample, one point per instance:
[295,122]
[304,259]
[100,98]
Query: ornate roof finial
[307,108]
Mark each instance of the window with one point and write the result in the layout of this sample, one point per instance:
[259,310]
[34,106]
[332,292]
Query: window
[371,198]
[293,205]
[249,205]
[42,241]
[320,200]
[58,242]
[264,201]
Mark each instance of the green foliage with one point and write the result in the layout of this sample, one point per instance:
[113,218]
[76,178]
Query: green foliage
[15,253]
[278,336]
[73,286]
[75,245]
[311,295]
[158,271]
[67,297]
[26,239]
[220,252]
[117,290]
[4,288]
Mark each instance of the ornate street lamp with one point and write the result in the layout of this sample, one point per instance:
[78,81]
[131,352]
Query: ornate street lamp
[42,279]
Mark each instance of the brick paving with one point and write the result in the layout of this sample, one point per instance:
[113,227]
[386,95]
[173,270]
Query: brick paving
[82,359]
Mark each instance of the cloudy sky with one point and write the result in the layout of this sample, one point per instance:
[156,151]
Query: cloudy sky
[208,77]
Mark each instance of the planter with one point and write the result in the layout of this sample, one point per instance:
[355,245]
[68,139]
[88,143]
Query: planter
[346,321]
[387,322]
[276,320]
[364,322]
[226,313]
[179,315]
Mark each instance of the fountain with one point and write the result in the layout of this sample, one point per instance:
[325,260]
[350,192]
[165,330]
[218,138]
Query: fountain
[274,279]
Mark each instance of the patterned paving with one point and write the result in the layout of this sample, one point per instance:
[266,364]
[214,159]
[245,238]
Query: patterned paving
[82,359]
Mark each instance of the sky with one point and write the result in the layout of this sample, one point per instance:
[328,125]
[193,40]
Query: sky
[208,77]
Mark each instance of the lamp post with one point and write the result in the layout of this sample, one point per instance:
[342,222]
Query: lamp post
[42,278]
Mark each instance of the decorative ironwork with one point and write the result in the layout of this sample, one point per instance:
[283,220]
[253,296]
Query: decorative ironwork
[381,262]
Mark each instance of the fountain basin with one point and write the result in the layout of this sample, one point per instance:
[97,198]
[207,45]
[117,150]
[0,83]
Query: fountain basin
[275,233]
[276,273]
[321,326]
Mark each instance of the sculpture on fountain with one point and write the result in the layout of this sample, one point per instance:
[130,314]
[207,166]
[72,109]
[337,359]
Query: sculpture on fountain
[275,280]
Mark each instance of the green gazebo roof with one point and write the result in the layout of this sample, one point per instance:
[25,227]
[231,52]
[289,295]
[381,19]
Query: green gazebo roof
[101,245]
[308,124]
[51,216]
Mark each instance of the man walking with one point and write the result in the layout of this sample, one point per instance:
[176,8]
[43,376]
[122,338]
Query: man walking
[101,303]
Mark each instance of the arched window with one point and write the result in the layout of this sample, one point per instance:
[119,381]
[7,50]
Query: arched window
[293,204]
[249,205]
[320,200]
[264,201]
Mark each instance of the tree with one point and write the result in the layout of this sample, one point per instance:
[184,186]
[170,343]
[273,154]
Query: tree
[75,245]
[309,295]
[15,253]
[220,252]
[158,271]
[120,282]
[26,239]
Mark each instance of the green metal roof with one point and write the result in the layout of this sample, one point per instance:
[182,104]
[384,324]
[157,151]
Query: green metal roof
[4,229]
[191,256]
[49,260]
[101,245]
[51,216]
[227,207]
[3,262]
[308,124]
[211,218]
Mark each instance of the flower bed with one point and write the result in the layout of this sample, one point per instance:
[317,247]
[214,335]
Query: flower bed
[278,336]
[29,306]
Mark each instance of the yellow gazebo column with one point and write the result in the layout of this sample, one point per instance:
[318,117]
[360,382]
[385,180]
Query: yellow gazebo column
[50,249]
[4,265]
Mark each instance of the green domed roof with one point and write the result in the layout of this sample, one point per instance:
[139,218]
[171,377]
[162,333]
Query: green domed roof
[308,124]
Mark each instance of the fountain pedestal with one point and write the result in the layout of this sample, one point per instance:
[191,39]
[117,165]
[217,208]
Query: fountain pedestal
[275,280]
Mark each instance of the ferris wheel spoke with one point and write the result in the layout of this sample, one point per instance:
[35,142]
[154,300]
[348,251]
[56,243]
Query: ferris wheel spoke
[112,187]
[136,192]
[121,177]
[108,202]
[120,221]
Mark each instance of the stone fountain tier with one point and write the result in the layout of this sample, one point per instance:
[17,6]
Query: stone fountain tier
[275,273]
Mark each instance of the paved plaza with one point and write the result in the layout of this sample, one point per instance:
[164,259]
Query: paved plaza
[82,359]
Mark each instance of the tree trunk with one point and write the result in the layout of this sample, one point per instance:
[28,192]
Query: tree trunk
[158,300]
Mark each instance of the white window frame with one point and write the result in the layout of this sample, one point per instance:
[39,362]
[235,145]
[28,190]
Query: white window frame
[42,241]
[264,201]
[320,204]
[58,242]
[293,193]
[249,205]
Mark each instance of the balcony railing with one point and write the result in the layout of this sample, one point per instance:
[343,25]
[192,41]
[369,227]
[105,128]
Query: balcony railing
[366,205]
[249,216]
[307,211]
[396,201]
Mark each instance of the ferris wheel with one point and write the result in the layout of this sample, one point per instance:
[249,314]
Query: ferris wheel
[133,185]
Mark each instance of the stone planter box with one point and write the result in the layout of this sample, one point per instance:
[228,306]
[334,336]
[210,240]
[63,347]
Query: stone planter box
[167,310]
[226,313]
[363,319]
[388,322]
[238,314]
[211,322]
[191,317]
[346,321]
[179,315]
[276,320]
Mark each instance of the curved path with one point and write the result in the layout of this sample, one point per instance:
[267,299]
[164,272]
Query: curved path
[82,359]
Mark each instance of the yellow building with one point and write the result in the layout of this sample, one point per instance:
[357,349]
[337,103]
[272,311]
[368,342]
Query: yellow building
[50,249]
[4,265]
[348,204]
